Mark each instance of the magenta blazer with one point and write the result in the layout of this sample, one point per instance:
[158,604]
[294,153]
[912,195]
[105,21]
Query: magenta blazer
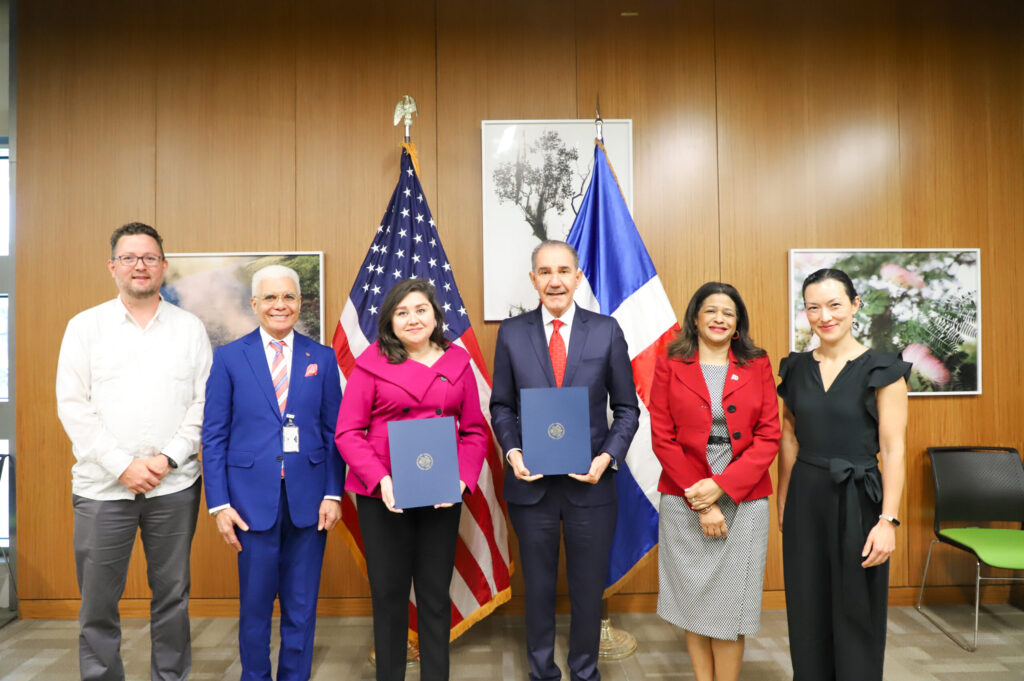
[378,392]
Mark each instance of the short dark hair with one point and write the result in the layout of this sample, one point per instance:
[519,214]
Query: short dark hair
[828,273]
[387,341]
[553,243]
[685,346]
[131,229]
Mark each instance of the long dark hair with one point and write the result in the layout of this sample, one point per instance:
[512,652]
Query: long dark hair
[387,341]
[685,346]
[829,273]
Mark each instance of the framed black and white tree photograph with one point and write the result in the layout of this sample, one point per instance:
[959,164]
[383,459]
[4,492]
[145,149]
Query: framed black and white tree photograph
[535,173]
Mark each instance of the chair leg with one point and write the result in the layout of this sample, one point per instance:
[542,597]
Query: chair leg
[977,603]
[938,625]
[924,577]
[6,553]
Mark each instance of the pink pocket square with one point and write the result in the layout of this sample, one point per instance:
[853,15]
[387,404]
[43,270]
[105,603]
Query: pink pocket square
[310,370]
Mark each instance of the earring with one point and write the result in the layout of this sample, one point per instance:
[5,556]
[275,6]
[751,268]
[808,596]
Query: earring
[736,336]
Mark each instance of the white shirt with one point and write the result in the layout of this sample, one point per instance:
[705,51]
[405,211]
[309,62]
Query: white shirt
[126,392]
[564,332]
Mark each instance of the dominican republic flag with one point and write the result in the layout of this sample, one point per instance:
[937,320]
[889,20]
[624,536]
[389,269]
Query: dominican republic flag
[619,279]
[405,245]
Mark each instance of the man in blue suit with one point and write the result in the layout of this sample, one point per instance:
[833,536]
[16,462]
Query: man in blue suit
[271,470]
[560,344]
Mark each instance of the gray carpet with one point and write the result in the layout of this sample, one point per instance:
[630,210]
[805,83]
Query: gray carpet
[45,650]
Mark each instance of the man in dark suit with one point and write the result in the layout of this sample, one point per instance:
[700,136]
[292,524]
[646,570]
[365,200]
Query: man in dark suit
[272,471]
[560,344]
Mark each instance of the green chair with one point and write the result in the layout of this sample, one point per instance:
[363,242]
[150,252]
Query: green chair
[977,485]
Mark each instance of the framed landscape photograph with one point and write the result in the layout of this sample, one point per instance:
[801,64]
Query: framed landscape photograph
[924,303]
[217,287]
[535,173]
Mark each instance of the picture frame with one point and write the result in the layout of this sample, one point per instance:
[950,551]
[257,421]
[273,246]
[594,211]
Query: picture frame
[217,288]
[922,302]
[535,174]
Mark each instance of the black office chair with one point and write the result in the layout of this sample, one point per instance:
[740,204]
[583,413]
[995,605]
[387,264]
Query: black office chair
[5,537]
[977,485]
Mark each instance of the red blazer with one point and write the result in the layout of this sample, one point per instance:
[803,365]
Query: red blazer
[681,424]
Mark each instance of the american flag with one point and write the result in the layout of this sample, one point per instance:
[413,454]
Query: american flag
[406,244]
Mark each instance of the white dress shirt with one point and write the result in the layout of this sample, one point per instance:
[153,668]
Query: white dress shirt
[127,392]
[566,319]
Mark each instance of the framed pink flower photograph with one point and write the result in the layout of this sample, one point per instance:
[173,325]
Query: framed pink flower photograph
[922,303]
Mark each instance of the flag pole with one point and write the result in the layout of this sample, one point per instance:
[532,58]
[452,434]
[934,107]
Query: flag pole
[404,110]
[616,644]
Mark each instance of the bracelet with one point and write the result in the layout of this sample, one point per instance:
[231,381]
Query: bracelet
[706,509]
[890,518]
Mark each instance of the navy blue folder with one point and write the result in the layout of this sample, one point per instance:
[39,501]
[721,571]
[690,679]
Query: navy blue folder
[556,430]
[424,462]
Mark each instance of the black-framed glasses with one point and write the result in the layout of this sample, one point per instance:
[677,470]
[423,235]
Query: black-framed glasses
[149,260]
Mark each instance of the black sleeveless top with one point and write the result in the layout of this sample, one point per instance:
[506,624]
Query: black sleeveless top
[841,422]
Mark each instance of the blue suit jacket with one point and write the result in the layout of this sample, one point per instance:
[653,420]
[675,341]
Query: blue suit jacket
[599,360]
[242,443]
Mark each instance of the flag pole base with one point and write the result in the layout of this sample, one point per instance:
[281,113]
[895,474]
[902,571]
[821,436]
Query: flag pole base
[412,655]
[616,644]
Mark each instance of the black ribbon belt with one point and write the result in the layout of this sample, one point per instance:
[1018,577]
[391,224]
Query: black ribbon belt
[846,534]
[718,440]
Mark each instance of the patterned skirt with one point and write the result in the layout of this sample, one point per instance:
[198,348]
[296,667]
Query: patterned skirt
[710,585]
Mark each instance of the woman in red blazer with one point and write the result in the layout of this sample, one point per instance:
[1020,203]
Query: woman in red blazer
[715,430]
[411,372]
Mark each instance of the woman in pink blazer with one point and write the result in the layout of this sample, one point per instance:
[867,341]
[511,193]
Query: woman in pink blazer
[411,372]
[715,430]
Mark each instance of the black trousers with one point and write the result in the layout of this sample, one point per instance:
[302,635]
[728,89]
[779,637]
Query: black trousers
[587,532]
[826,641]
[411,549]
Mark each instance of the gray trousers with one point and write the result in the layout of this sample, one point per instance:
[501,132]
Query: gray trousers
[104,536]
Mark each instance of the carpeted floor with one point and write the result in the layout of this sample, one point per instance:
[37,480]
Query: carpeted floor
[46,650]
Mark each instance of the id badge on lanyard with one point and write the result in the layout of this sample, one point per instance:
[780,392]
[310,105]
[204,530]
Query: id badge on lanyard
[290,434]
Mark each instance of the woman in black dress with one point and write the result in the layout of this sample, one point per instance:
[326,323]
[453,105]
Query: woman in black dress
[845,404]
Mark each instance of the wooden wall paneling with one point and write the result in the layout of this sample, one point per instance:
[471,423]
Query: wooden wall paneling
[85,166]
[658,68]
[962,153]
[808,155]
[225,164]
[494,61]
[351,70]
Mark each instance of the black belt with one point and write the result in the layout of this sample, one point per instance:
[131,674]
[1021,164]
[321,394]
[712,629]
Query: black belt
[847,533]
[719,440]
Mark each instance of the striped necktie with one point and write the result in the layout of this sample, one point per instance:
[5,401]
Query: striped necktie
[279,372]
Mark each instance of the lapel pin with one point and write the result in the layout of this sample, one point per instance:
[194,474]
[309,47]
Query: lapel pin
[307,354]
[735,377]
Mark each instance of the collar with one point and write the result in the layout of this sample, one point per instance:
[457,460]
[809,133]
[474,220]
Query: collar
[125,315]
[566,318]
[289,340]
[410,375]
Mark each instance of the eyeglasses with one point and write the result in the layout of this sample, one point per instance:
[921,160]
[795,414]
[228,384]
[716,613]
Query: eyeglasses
[287,298]
[148,260]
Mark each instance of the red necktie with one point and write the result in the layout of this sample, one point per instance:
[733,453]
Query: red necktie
[556,346]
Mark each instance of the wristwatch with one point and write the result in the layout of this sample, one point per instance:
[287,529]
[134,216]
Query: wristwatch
[892,519]
[171,462]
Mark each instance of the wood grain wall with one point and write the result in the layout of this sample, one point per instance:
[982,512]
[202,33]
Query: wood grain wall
[758,127]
